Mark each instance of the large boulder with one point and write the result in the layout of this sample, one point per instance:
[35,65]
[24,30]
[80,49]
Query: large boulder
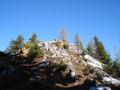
[25,51]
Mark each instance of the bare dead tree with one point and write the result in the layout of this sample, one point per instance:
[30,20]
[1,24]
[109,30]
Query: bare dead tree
[63,35]
[117,53]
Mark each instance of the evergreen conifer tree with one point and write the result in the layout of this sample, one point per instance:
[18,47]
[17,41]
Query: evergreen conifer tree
[19,42]
[16,45]
[78,43]
[101,53]
[33,39]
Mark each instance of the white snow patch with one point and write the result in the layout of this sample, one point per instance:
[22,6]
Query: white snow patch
[111,80]
[72,71]
[100,88]
[44,63]
[93,62]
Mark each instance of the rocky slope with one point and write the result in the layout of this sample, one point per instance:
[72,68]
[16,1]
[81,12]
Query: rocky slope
[83,72]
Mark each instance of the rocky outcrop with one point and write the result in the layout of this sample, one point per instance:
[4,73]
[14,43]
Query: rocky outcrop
[76,62]
[72,70]
[25,51]
[58,52]
[111,81]
[93,62]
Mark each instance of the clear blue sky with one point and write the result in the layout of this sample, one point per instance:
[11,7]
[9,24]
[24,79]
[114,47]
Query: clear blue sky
[47,17]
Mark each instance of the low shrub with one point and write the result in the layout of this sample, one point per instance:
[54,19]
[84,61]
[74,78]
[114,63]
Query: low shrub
[92,70]
[28,45]
[65,46]
[116,66]
[109,68]
[88,69]
[35,52]
[99,76]
[58,43]
[61,66]
[80,61]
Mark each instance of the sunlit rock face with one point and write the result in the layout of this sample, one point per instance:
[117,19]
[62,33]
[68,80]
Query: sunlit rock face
[58,52]
[25,51]
[93,62]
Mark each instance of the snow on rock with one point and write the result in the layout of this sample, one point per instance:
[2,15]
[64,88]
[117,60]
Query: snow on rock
[93,62]
[44,63]
[112,81]
[100,88]
[72,71]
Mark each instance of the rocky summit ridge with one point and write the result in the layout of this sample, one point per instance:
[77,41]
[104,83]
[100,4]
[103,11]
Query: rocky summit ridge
[63,66]
[75,57]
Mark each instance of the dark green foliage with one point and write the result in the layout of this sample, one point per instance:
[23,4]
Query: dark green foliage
[35,52]
[61,66]
[99,76]
[33,38]
[116,65]
[101,52]
[20,41]
[65,46]
[96,44]
[92,70]
[88,69]
[12,48]
[109,68]
[16,45]
[83,53]
[113,69]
